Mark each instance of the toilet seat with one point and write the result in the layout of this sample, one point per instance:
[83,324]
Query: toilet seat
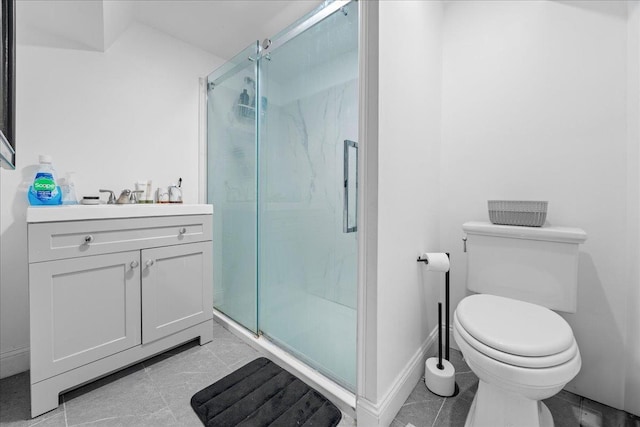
[515,332]
[515,360]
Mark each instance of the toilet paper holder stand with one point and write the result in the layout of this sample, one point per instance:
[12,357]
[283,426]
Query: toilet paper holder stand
[439,375]
[446,305]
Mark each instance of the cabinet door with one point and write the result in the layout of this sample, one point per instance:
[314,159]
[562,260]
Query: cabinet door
[82,309]
[177,288]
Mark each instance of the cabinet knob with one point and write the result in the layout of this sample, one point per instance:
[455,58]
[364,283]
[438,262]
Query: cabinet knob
[183,230]
[134,264]
[88,239]
[150,262]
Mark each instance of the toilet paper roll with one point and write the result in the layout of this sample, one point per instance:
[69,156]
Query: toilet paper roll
[436,261]
[440,381]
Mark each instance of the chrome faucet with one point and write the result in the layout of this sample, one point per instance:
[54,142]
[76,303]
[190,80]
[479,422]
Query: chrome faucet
[134,196]
[112,197]
[124,198]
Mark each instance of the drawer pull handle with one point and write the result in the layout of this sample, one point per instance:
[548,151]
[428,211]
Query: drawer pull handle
[134,264]
[88,239]
[182,231]
[150,262]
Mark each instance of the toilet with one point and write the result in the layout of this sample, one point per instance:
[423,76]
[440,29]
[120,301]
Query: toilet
[521,350]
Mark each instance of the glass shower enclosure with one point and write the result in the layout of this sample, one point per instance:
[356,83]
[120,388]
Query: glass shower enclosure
[282,132]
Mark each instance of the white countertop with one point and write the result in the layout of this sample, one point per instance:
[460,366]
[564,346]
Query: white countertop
[85,212]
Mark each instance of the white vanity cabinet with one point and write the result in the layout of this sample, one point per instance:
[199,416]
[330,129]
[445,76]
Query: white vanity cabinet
[82,310]
[176,281]
[111,286]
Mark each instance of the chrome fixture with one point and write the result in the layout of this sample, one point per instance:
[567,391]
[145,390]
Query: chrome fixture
[112,197]
[134,196]
[124,198]
[302,27]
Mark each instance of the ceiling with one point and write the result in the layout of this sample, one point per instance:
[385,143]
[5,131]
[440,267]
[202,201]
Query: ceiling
[221,27]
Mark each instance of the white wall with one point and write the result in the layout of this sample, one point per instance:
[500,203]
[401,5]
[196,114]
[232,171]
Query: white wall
[113,117]
[409,138]
[632,389]
[535,107]
[408,223]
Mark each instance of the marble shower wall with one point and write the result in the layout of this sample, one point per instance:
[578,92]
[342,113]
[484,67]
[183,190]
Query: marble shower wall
[302,239]
[308,265]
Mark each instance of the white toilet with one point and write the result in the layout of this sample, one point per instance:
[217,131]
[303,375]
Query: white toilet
[521,351]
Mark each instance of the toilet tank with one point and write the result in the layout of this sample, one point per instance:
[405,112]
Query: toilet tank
[533,264]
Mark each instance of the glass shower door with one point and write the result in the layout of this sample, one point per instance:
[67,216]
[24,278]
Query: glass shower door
[308,126]
[232,185]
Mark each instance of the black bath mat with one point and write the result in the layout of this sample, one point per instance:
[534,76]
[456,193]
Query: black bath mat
[261,394]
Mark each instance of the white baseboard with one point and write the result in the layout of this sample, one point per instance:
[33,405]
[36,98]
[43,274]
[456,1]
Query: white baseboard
[367,414]
[383,413]
[13,362]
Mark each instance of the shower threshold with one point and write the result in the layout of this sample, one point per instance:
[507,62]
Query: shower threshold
[339,396]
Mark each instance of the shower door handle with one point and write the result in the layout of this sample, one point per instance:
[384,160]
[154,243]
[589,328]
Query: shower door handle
[350,182]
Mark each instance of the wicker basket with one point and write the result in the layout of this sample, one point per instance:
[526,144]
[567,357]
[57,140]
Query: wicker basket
[518,212]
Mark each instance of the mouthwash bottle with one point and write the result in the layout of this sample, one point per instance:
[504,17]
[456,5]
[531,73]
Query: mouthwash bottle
[44,190]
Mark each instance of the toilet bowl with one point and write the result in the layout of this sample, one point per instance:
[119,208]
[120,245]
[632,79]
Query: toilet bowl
[521,352]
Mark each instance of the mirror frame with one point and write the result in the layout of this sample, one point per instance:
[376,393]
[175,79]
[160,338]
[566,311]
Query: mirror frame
[8,82]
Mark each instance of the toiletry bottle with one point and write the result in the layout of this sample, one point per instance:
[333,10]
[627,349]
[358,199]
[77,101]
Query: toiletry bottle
[244,97]
[145,188]
[162,195]
[68,189]
[44,190]
[243,103]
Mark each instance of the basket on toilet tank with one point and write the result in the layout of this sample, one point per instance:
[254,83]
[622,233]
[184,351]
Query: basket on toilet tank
[518,212]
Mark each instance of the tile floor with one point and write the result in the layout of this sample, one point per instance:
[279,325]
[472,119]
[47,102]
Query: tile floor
[156,392]
[153,393]
[425,409]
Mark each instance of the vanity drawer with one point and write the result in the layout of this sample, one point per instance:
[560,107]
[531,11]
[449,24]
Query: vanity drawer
[71,239]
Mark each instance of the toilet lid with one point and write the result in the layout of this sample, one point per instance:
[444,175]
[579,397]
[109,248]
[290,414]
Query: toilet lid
[512,359]
[514,327]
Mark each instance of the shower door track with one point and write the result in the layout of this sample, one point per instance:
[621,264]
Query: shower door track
[302,358]
[281,39]
[326,11]
[338,395]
